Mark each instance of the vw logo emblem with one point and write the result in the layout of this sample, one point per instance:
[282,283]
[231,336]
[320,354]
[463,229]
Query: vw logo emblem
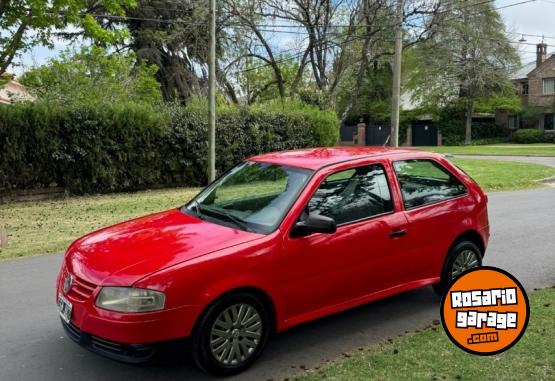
[68,282]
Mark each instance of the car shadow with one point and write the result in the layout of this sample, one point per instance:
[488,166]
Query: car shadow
[307,346]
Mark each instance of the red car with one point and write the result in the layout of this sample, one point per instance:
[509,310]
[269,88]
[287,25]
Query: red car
[279,240]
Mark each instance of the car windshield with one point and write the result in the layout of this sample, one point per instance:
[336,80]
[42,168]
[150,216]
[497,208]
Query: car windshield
[253,196]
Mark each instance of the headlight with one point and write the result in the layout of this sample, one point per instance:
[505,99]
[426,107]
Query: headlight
[127,299]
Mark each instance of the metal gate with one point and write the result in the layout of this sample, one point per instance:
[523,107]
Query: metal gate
[347,133]
[377,134]
[424,134]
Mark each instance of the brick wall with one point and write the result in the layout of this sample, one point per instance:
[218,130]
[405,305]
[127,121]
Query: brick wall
[535,85]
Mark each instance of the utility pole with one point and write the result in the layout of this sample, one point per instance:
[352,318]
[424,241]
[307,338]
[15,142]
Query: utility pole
[212,94]
[395,97]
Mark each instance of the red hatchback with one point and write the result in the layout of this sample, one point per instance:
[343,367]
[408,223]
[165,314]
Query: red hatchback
[280,239]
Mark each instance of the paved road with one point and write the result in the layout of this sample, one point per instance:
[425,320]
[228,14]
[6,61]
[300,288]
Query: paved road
[545,160]
[33,346]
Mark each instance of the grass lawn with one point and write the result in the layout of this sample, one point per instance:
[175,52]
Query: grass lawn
[40,227]
[430,355]
[503,175]
[540,149]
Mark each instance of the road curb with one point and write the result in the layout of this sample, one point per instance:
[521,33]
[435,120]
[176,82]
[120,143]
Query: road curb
[548,180]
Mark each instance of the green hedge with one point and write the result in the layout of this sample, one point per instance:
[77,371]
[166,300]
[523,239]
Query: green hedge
[130,147]
[528,135]
[451,121]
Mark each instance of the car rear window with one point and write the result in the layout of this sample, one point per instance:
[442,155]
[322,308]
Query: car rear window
[424,181]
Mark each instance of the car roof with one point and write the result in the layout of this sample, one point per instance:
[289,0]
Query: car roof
[316,158]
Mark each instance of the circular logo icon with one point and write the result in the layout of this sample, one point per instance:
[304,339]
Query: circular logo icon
[485,311]
[68,282]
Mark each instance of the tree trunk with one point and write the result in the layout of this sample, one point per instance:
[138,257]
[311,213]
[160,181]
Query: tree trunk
[468,121]
[299,75]
[8,53]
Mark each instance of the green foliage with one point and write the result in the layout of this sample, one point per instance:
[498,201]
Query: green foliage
[92,76]
[531,115]
[458,61]
[374,100]
[509,102]
[450,121]
[259,80]
[28,23]
[489,141]
[178,46]
[311,95]
[92,148]
[528,135]
[86,148]
[323,124]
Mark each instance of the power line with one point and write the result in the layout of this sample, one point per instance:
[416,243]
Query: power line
[296,56]
[175,21]
[534,35]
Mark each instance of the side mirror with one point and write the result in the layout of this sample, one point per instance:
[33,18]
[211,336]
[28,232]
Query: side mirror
[314,223]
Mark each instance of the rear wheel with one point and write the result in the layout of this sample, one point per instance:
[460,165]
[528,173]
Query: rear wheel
[463,256]
[231,335]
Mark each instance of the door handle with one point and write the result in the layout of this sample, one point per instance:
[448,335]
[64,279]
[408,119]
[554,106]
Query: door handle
[397,233]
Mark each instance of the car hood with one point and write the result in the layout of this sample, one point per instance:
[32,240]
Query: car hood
[124,253]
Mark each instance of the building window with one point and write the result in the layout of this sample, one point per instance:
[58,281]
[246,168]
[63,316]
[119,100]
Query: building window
[524,88]
[548,122]
[513,122]
[548,86]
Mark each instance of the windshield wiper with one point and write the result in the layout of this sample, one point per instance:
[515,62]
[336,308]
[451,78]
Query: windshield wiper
[230,217]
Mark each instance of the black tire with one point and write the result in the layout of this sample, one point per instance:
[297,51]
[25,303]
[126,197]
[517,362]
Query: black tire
[456,250]
[201,348]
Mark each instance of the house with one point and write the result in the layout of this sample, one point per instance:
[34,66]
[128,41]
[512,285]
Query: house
[422,131]
[12,90]
[535,84]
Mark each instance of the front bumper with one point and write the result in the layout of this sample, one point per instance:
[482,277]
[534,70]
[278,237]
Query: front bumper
[146,328]
[130,353]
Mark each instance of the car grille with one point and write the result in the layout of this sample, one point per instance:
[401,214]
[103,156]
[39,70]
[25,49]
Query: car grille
[81,290]
[127,351]
[106,345]
[73,331]
[133,353]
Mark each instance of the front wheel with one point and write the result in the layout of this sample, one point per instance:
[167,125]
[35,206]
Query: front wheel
[464,256]
[231,335]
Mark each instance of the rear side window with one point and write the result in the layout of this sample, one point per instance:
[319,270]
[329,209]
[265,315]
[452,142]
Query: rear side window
[352,195]
[425,181]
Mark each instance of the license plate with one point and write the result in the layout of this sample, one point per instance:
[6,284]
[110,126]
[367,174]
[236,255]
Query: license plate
[64,308]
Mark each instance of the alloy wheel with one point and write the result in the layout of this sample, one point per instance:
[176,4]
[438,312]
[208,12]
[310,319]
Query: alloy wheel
[236,334]
[466,260]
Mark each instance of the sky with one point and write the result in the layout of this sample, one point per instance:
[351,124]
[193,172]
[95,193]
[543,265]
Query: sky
[533,18]
[537,18]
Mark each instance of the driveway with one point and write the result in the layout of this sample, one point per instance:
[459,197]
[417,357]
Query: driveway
[33,345]
[545,160]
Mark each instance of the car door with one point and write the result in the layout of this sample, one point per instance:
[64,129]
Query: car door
[324,270]
[435,202]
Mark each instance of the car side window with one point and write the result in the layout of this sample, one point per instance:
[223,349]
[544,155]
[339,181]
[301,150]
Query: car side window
[352,195]
[425,181]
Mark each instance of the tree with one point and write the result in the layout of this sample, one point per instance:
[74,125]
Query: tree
[28,23]
[374,99]
[337,42]
[259,84]
[90,76]
[468,56]
[173,35]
